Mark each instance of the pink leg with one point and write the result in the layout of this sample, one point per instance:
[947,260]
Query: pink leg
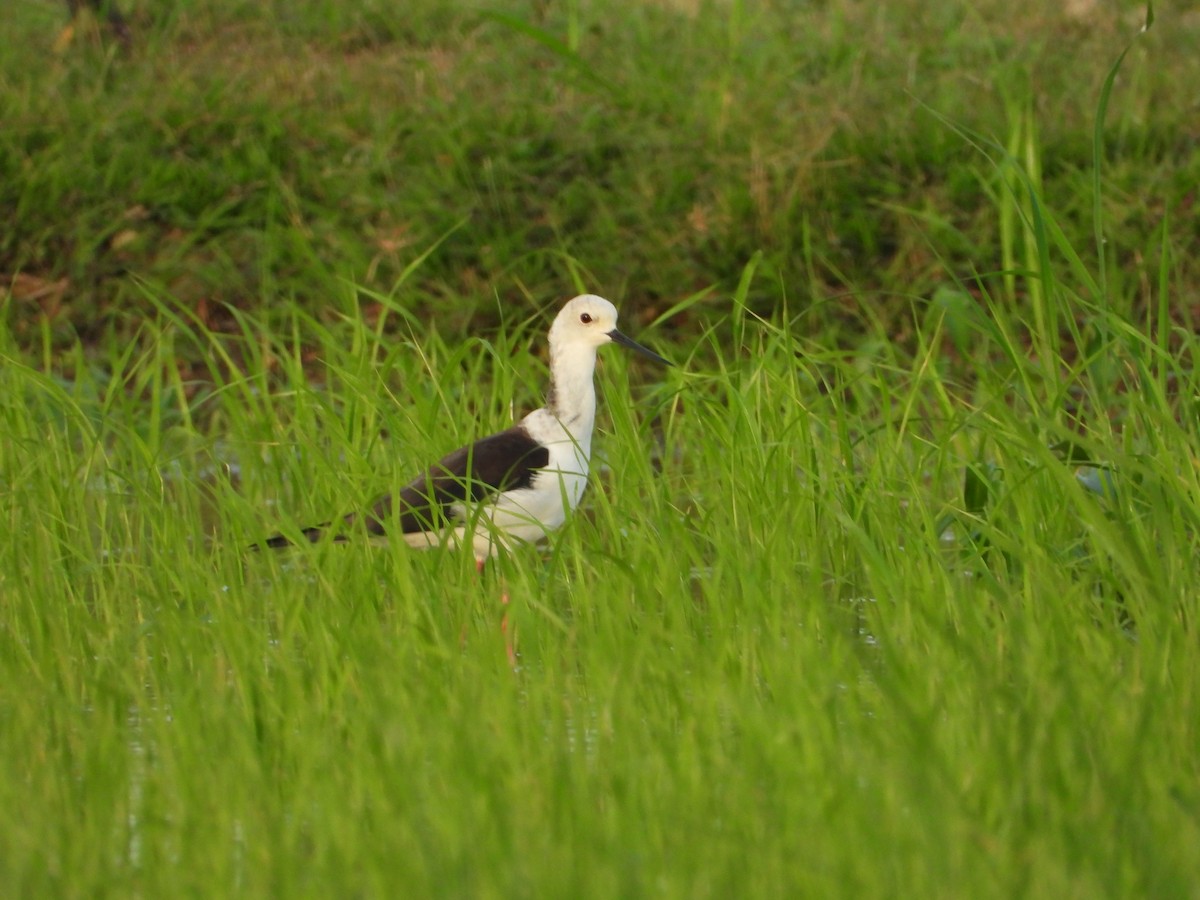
[509,646]
[509,642]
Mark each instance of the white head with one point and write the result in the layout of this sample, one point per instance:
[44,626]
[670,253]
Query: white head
[585,320]
[591,321]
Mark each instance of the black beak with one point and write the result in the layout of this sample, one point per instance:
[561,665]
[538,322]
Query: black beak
[629,342]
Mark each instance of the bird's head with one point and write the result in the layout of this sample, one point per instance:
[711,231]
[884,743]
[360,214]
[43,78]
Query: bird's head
[591,321]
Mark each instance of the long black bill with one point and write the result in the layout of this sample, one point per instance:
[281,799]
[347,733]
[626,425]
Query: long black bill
[629,342]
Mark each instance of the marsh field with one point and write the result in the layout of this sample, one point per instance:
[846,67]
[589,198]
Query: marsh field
[890,588]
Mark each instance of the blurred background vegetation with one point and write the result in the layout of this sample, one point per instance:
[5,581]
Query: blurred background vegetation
[235,155]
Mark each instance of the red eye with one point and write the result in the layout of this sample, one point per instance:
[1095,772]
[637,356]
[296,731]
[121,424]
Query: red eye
[585,318]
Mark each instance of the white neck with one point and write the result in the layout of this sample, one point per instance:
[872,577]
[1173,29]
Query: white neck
[572,398]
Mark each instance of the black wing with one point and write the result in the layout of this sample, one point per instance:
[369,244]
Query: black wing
[502,462]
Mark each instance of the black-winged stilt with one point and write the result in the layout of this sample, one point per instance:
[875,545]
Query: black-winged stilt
[517,485]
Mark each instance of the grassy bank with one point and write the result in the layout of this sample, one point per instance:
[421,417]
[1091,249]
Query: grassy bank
[240,154]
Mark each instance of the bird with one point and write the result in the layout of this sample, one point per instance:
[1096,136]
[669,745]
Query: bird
[515,486]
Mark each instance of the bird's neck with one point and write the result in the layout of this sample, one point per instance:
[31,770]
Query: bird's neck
[572,397]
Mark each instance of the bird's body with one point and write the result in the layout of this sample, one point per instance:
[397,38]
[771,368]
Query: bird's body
[518,485]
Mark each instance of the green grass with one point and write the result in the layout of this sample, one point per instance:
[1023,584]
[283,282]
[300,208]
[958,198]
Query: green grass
[890,587]
[244,154]
[779,651]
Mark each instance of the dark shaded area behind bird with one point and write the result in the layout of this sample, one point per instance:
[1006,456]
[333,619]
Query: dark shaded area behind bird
[106,11]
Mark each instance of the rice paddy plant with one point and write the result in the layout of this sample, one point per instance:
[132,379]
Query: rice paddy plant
[851,620]
[906,613]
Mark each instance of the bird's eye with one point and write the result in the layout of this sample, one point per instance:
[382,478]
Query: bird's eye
[585,318]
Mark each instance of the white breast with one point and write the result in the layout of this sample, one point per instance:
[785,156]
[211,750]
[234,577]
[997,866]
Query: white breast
[531,513]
